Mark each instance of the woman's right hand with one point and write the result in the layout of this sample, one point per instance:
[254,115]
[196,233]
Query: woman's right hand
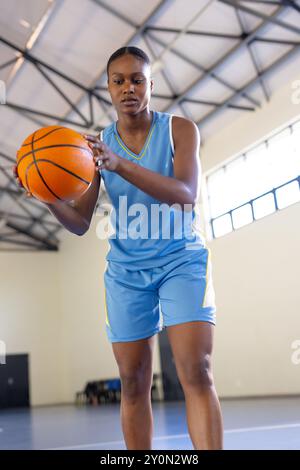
[18,181]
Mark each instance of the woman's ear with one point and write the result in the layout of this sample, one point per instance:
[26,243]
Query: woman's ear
[151,85]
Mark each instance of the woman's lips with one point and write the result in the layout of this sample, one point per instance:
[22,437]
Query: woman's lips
[129,102]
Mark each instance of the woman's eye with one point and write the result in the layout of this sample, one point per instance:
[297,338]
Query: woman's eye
[137,81]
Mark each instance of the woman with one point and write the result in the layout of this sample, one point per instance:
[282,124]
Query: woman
[149,162]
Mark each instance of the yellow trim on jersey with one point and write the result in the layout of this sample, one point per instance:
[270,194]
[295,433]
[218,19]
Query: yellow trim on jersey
[206,275]
[105,307]
[132,154]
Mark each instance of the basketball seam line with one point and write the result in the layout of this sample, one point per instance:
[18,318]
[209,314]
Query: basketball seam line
[38,170]
[52,146]
[43,136]
[59,166]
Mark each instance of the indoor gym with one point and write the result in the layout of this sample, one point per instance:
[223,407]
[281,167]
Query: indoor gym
[232,67]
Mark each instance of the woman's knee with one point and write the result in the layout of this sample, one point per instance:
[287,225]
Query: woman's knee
[135,367]
[196,373]
[136,382]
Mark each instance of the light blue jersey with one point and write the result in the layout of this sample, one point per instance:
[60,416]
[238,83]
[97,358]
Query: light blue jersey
[159,270]
[148,233]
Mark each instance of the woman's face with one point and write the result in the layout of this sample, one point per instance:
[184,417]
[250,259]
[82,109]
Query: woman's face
[129,84]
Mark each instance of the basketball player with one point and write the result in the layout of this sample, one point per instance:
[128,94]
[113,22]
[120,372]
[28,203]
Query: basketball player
[151,159]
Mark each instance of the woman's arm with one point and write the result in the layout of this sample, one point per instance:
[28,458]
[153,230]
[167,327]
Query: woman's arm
[183,187]
[76,217]
[180,189]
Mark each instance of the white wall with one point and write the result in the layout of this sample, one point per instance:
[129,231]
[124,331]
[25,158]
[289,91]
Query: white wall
[30,319]
[256,273]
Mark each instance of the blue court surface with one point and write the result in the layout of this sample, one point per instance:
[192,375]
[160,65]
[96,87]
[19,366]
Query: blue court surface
[261,423]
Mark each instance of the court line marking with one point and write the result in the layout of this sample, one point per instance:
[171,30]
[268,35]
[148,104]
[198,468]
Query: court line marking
[264,428]
[182,436]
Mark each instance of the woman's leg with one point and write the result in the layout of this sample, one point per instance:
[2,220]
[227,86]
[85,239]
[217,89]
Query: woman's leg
[134,360]
[191,345]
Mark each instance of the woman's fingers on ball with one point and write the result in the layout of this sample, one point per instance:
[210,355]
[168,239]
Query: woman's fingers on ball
[90,138]
[15,173]
[19,182]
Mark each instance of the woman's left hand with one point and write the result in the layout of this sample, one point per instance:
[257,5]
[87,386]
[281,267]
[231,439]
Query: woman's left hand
[104,158]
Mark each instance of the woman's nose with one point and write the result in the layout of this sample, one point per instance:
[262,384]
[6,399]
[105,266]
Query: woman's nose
[128,87]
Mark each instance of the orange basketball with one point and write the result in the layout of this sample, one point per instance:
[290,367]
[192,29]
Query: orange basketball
[55,163]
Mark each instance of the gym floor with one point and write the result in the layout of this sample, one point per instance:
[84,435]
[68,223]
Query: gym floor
[261,423]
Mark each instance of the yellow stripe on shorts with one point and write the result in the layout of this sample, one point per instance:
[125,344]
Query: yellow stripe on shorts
[209,294]
[105,307]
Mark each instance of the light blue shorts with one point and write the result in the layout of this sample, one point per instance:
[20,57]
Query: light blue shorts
[140,303]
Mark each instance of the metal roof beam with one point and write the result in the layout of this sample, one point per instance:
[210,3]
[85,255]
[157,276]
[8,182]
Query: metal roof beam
[252,55]
[262,16]
[289,3]
[45,243]
[265,2]
[292,4]
[28,56]
[19,242]
[215,104]
[17,200]
[8,63]
[282,42]
[35,112]
[194,33]
[163,72]
[62,94]
[26,218]
[211,72]
[40,66]
[18,193]
[207,72]
[250,84]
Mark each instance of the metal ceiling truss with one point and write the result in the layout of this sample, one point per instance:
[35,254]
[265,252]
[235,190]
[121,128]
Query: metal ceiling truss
[42,67]
[33,114]
[212,71]
[145,30]
[49,241]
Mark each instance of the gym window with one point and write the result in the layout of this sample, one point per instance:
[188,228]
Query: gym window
[255,184]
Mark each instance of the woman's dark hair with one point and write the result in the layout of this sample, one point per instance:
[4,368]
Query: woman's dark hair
[138,53]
